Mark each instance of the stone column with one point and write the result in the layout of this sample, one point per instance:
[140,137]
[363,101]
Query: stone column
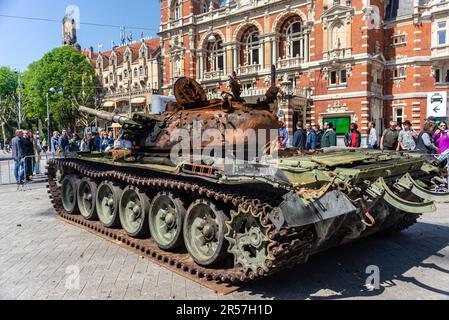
[306,47]
[201,58]
[235,58]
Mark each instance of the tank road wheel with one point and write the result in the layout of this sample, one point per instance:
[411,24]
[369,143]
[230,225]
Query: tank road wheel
[166,217]
[204,231]
[108,198]
[69,187]
[133,210]
[249,242]
[87,192]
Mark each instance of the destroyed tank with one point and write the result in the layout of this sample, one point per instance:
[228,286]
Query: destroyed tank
[242,219]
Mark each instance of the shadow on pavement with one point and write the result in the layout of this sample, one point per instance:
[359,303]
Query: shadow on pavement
[340,272]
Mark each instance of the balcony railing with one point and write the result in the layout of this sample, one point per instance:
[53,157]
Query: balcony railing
[338,54]
[125,93]
[290,63]
[210,75]
[249,69]
[254,92]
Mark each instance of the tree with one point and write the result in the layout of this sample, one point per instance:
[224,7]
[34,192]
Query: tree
[74,79]
[8,97]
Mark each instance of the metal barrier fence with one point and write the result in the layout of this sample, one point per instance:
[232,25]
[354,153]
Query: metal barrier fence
[28,169]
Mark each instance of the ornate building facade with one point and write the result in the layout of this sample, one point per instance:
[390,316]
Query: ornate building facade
[343,58]
[130,75]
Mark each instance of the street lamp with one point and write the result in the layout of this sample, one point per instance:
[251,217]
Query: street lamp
[52,90]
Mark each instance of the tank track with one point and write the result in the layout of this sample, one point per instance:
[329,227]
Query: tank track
[290,246]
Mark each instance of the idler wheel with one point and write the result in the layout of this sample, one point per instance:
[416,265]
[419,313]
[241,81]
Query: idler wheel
[204,231]
[166,218]
[107,204]
[87,193]
[69,188]
[133,211]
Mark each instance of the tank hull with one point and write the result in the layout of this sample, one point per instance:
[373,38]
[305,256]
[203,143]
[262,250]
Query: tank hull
[248,208]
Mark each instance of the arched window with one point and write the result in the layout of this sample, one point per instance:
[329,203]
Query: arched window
[204,6]
[294,44]
[141,70]
[177,11]
[216,56]
[252,48]
[135,72]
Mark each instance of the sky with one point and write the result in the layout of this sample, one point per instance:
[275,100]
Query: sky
[24,41]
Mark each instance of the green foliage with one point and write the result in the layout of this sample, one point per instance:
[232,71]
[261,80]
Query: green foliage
[8,98]
[73,78]
[8,82]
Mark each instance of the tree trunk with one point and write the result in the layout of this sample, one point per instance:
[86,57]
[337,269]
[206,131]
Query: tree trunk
[3,131]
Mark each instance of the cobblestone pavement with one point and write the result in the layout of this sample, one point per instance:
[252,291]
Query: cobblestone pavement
[39,256]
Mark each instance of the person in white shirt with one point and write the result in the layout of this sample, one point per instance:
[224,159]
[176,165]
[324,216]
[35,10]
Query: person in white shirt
[373,137]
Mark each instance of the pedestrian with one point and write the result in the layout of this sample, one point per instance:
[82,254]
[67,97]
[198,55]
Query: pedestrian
[425,143]
[7,146]
[319,135]
[441,137]
[64,144]
[85,144]
[373,137]
[75,143]
[433,121]
[29,154]
[107,142]
[18,155]
[283,136]
[407,137]
[37,153]
[92,142]
[353,138]
[97,140]
[329,136]
[124,143]
[54,143]
[390,137]
[311,141]
[299,138]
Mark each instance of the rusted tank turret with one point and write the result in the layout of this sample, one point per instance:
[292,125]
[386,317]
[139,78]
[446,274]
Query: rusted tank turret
[155,132]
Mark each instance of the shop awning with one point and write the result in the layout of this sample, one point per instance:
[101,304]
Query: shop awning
[138,100]
[109,104]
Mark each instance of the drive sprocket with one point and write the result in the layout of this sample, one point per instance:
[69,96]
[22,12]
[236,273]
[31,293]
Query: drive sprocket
[249,241]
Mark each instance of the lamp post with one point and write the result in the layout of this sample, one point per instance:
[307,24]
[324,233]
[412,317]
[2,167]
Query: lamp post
[52,90]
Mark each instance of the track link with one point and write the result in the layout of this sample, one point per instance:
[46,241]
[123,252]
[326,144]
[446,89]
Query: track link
[291,246]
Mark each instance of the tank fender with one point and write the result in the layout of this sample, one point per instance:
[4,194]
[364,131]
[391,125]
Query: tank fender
[410,184]
[380,187]
[294,211]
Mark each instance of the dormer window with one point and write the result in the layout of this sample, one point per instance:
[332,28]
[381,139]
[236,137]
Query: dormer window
[128,56]
[142,52]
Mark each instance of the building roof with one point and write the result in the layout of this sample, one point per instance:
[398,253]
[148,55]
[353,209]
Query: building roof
[399,8]
[152,44]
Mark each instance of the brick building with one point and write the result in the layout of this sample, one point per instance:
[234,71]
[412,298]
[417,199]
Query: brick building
[347,60]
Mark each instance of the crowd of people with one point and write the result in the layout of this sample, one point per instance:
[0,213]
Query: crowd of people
[27,148]
[397,137]
[26,151]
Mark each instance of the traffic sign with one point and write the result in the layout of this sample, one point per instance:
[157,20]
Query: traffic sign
[437,105]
